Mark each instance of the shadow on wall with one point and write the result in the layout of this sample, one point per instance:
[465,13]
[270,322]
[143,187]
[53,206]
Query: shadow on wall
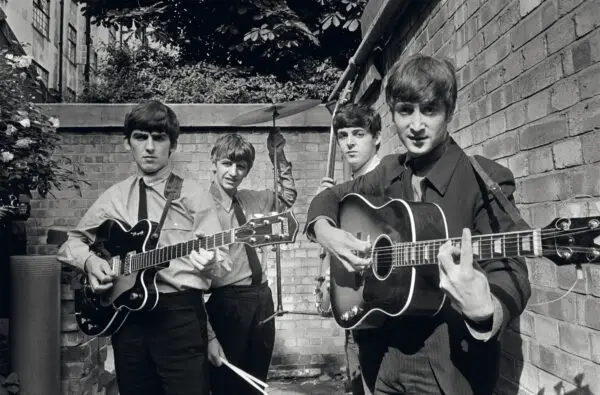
[511,360]
[559,388]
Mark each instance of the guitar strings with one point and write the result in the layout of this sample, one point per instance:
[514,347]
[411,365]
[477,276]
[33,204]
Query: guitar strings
[510,240]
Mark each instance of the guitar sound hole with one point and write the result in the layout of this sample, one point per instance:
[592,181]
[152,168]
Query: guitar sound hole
[382,257]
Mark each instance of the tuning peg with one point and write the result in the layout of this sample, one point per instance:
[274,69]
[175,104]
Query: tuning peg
[272,213]
[257,215]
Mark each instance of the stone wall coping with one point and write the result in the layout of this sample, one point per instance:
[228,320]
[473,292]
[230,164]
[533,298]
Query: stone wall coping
[97,115]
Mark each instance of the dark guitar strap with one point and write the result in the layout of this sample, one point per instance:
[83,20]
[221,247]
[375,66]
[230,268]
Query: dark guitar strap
[172,192]
[497,192]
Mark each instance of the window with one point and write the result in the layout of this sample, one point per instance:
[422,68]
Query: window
[70,96]
[41,17]
[72,50]
[42,73]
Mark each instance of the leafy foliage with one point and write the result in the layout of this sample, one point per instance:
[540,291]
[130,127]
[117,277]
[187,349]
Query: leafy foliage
[9,385]
[269,36]
[27,137]
[131,75]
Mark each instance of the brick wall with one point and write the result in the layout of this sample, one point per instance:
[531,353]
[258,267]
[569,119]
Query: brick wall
[529,89]
[304,344]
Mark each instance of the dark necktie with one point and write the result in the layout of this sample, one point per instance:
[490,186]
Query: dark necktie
[255,266]
[142,205]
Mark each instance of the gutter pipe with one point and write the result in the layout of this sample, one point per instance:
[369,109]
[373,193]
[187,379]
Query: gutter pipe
[60,50]
[386,14]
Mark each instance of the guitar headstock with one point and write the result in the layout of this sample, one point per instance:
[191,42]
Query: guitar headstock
[572,240]
[262,230]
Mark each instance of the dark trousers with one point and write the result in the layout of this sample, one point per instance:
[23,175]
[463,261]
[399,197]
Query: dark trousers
[353,364]
[235,313]
[163,351]
[390,366]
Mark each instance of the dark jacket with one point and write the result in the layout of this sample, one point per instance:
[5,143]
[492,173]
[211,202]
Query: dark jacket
[461,364]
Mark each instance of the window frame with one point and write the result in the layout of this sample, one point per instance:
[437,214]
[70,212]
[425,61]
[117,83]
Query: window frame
[42,73]
[41,17]
[72,42]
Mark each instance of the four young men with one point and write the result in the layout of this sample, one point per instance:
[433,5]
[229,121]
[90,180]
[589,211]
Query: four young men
[165,351]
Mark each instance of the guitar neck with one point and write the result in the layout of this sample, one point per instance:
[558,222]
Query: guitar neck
[526,243]
[145,260]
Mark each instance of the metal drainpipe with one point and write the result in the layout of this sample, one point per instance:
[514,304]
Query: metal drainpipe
[386,14]
[60,50]
[88,50]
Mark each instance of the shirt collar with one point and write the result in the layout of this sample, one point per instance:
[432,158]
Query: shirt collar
[220,196]
[445,161]
[159,177]
[368,166]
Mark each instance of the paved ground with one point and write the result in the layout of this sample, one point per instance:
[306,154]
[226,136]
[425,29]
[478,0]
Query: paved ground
[324,385]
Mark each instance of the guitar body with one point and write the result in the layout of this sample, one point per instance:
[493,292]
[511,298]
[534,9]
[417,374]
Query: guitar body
[364,299]
[103,315]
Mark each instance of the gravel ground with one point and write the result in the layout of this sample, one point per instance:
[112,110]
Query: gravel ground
[324,385]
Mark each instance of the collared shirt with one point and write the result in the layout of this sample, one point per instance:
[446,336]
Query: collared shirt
[252,202]
[120,202]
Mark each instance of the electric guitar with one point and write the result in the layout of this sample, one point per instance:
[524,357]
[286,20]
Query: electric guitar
[130,253]
[403,277]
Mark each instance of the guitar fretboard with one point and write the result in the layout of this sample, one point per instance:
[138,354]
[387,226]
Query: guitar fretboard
[162,255]
[501,245]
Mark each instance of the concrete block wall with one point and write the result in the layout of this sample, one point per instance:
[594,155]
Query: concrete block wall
[305,345]
[529,94]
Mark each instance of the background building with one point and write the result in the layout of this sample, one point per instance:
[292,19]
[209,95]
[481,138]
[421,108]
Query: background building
[47,28]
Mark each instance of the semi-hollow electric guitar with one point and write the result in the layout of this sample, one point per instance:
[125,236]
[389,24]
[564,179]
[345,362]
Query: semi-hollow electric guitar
[130,253]
[403,277]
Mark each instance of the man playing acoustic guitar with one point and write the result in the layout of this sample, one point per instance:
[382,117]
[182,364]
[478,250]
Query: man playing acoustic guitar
[454,349]
[358,132]
[162,351]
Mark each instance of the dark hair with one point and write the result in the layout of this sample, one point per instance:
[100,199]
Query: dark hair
[357,115]
[422,79]
[233,147]
[152,116]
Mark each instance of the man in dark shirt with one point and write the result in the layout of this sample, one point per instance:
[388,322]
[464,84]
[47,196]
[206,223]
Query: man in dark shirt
[457,350]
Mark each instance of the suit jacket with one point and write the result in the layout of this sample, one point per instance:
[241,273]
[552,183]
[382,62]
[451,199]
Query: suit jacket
[461,364]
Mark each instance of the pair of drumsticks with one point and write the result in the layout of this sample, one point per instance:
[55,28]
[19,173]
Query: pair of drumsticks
[253,381]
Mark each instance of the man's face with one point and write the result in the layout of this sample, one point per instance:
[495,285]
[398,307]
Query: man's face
[420,127]
[230,174]
[150,150]
[357,145]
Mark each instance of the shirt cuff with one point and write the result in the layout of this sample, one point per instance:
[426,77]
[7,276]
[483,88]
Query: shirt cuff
[310,233]
[486,334]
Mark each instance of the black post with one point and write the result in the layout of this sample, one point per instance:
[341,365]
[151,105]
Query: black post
[88,51]
[60,50]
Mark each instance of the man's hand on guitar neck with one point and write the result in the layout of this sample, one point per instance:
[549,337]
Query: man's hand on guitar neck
[99,273]
[463,281]
[343,244]
[208,262]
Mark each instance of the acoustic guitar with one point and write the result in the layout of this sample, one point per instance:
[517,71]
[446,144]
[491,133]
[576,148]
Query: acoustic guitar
[403,277]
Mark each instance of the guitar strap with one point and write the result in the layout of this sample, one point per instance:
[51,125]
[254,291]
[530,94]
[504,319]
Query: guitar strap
[172,192]
[497,192]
